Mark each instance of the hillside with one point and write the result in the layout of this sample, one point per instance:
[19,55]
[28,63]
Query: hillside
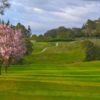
[56,53]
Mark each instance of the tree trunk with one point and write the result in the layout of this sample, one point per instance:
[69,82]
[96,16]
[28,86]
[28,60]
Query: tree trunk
[7,65]
[0,69]
[6,69]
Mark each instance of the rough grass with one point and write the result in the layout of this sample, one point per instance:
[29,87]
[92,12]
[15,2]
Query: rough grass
[65,52]
[57,74]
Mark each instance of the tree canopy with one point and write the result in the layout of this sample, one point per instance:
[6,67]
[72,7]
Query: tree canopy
[3,5]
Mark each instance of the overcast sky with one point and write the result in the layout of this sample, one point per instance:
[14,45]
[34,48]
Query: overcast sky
[42,15]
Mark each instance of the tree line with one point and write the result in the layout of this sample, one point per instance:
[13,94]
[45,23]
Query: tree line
[90,29]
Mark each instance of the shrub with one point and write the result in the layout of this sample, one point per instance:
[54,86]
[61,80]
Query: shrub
[91,50]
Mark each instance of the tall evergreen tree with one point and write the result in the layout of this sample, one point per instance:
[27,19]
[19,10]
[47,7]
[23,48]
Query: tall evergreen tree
[8,23]
[29,31]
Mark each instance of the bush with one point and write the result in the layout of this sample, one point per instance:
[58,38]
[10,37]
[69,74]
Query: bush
[29,46]
[92,51]
[62,40]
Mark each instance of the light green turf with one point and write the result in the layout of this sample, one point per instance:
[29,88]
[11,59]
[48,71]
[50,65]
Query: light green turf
[66,52]
[56,74]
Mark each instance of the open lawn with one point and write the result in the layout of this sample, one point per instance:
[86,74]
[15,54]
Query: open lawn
[57,73]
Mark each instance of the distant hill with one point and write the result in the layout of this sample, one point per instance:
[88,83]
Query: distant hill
[90,29]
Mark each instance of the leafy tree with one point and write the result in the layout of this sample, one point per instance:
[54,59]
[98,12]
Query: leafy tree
[51,33]
[92,51]
[27,35]
[29,46]
[89,50]
[34,37]
[77,32]
[25,31]
[8,22]
[60,33]
[3,5]
[12,45]
[29,31]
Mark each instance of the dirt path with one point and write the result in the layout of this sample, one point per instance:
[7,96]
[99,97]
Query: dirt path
[44,50]
[57,44]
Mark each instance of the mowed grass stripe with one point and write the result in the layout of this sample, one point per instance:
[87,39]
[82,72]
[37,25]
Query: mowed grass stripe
[71,82]
[52,90]
[60,72]
[29,77]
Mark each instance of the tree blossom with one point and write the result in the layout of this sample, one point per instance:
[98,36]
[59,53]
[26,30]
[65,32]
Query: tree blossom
[12,44]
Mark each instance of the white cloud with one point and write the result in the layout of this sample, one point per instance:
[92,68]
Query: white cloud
[38,10]
[75,13]
[46,14]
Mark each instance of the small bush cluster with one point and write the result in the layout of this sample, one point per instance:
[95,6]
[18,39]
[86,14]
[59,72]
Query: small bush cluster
[92,51]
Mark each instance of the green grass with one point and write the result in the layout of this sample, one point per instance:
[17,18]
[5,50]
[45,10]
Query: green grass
[66,52]
[59,73]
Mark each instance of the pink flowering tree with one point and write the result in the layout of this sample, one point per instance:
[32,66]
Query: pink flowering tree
[12,45]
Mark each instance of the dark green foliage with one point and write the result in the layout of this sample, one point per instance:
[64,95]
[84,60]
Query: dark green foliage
[27,35]
[29,46]
[42,38]
[62,40]
[29,31]
[51,33]
[90,29]
[3,5]
[4,22]
[77,32]
[92,50]
[25,31]
[60,32]
[8,22]
[89,50]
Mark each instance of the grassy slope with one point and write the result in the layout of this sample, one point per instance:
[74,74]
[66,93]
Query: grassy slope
[64,53]
[56,74]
